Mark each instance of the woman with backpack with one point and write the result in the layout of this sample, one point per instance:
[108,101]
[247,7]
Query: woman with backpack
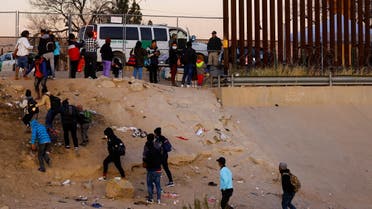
[140,54]
[116,148]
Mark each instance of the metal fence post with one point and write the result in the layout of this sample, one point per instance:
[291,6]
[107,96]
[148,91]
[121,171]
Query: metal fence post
[219,81]
[17,23]
[232,79]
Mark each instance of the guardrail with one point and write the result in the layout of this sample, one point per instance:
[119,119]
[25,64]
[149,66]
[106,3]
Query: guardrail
[232,81]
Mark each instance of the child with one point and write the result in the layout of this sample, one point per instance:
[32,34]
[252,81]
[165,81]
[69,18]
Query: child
[29,108]
[116,67]
[200,68]
[84,120]
[41,75]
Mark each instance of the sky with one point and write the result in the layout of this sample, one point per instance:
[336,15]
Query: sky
[197,26]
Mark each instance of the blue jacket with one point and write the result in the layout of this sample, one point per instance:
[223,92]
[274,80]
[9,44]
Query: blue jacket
[39,133]
[225,179]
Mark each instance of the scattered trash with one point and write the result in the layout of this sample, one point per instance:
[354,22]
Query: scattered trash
[240,182]
[137,132]
[182,138]
[199,129]
[170,195]
[212,199]
[199,132]
[66,182]
[175,202]
[81,199]
[9,104]
[96,205]
[211,183]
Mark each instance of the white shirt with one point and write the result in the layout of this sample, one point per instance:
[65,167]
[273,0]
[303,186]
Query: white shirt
[24,47]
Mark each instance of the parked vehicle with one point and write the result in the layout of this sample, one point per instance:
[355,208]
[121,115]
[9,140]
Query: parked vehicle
[7,62]
[124,38]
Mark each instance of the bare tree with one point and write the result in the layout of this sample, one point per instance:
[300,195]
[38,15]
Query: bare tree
[62,13]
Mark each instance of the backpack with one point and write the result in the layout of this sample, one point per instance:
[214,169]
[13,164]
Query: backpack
[167,146]
[55,102]
[120,148]
[86,116]
[164,146]
[50,45]
[294,181]
[31,105]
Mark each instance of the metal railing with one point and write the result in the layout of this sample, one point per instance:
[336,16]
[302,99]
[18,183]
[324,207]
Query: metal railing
[234,81]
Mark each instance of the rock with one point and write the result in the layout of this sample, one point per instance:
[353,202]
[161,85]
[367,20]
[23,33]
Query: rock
[119,189]
[18,87]
[108,84]
[136,86]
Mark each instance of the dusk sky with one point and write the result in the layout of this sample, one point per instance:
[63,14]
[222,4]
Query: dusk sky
[199,27]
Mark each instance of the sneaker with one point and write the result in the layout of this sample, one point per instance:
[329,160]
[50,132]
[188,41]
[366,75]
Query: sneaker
[150,201]
[102,178]
[67,146]
[41,169]
[117,178]
[76,148]
[170,184]
[182,85]
[158,202]
[187,86]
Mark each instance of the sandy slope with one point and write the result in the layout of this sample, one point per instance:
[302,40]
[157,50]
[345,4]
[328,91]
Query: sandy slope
[256,142]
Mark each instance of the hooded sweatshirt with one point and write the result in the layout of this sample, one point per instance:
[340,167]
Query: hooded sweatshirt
[39,133]
[112,141]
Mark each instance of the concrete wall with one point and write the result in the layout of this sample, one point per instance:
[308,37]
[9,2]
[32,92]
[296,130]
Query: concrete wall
[293,96]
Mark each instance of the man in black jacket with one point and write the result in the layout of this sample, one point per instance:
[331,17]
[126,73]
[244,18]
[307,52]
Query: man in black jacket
[288,188]
[69,116]
[189,62]
[152,163]
[162,140]
[214,48]
[113,142]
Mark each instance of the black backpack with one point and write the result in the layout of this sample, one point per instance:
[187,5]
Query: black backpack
[31,107]
[55,102]
[50,45]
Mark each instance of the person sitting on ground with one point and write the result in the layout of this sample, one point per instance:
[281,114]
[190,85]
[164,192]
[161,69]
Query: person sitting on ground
[152,163]
[84,120]
[165,148]
[288,188]
[116,67]
[113,147]
[69,116]
[40,136]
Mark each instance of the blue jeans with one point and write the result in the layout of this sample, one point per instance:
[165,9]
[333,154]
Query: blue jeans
[137,70]
[187,73]
[287,199]
[153,177]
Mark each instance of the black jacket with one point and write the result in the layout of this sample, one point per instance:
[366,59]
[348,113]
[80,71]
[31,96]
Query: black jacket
[173,56]
[214,44]
[106,52]
[286,181]
[152,157]
[189,56]
[69,114]
[140,54]
[112,142]
[153,56]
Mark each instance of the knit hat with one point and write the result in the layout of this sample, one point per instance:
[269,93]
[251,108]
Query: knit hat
[282,166]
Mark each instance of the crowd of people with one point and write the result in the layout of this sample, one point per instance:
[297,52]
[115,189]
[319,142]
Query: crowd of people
[157,146]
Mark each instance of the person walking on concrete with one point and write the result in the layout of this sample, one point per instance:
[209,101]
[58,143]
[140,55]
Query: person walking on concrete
[139,54]
[189,62]
[46,49]
[165,147]
[74,54]
[116,148]
[153,55]
[22,50]
[40,135]
[152,163]
[173,62]
[226,183]
[288,188]
[91,46]
[107,55]
[214,47]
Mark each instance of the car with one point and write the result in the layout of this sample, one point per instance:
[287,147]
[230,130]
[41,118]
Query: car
[7,62]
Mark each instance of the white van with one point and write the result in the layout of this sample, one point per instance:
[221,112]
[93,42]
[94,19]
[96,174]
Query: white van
[124,38]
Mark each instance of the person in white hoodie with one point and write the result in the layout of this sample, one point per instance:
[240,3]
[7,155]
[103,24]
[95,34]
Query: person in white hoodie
[22,50]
